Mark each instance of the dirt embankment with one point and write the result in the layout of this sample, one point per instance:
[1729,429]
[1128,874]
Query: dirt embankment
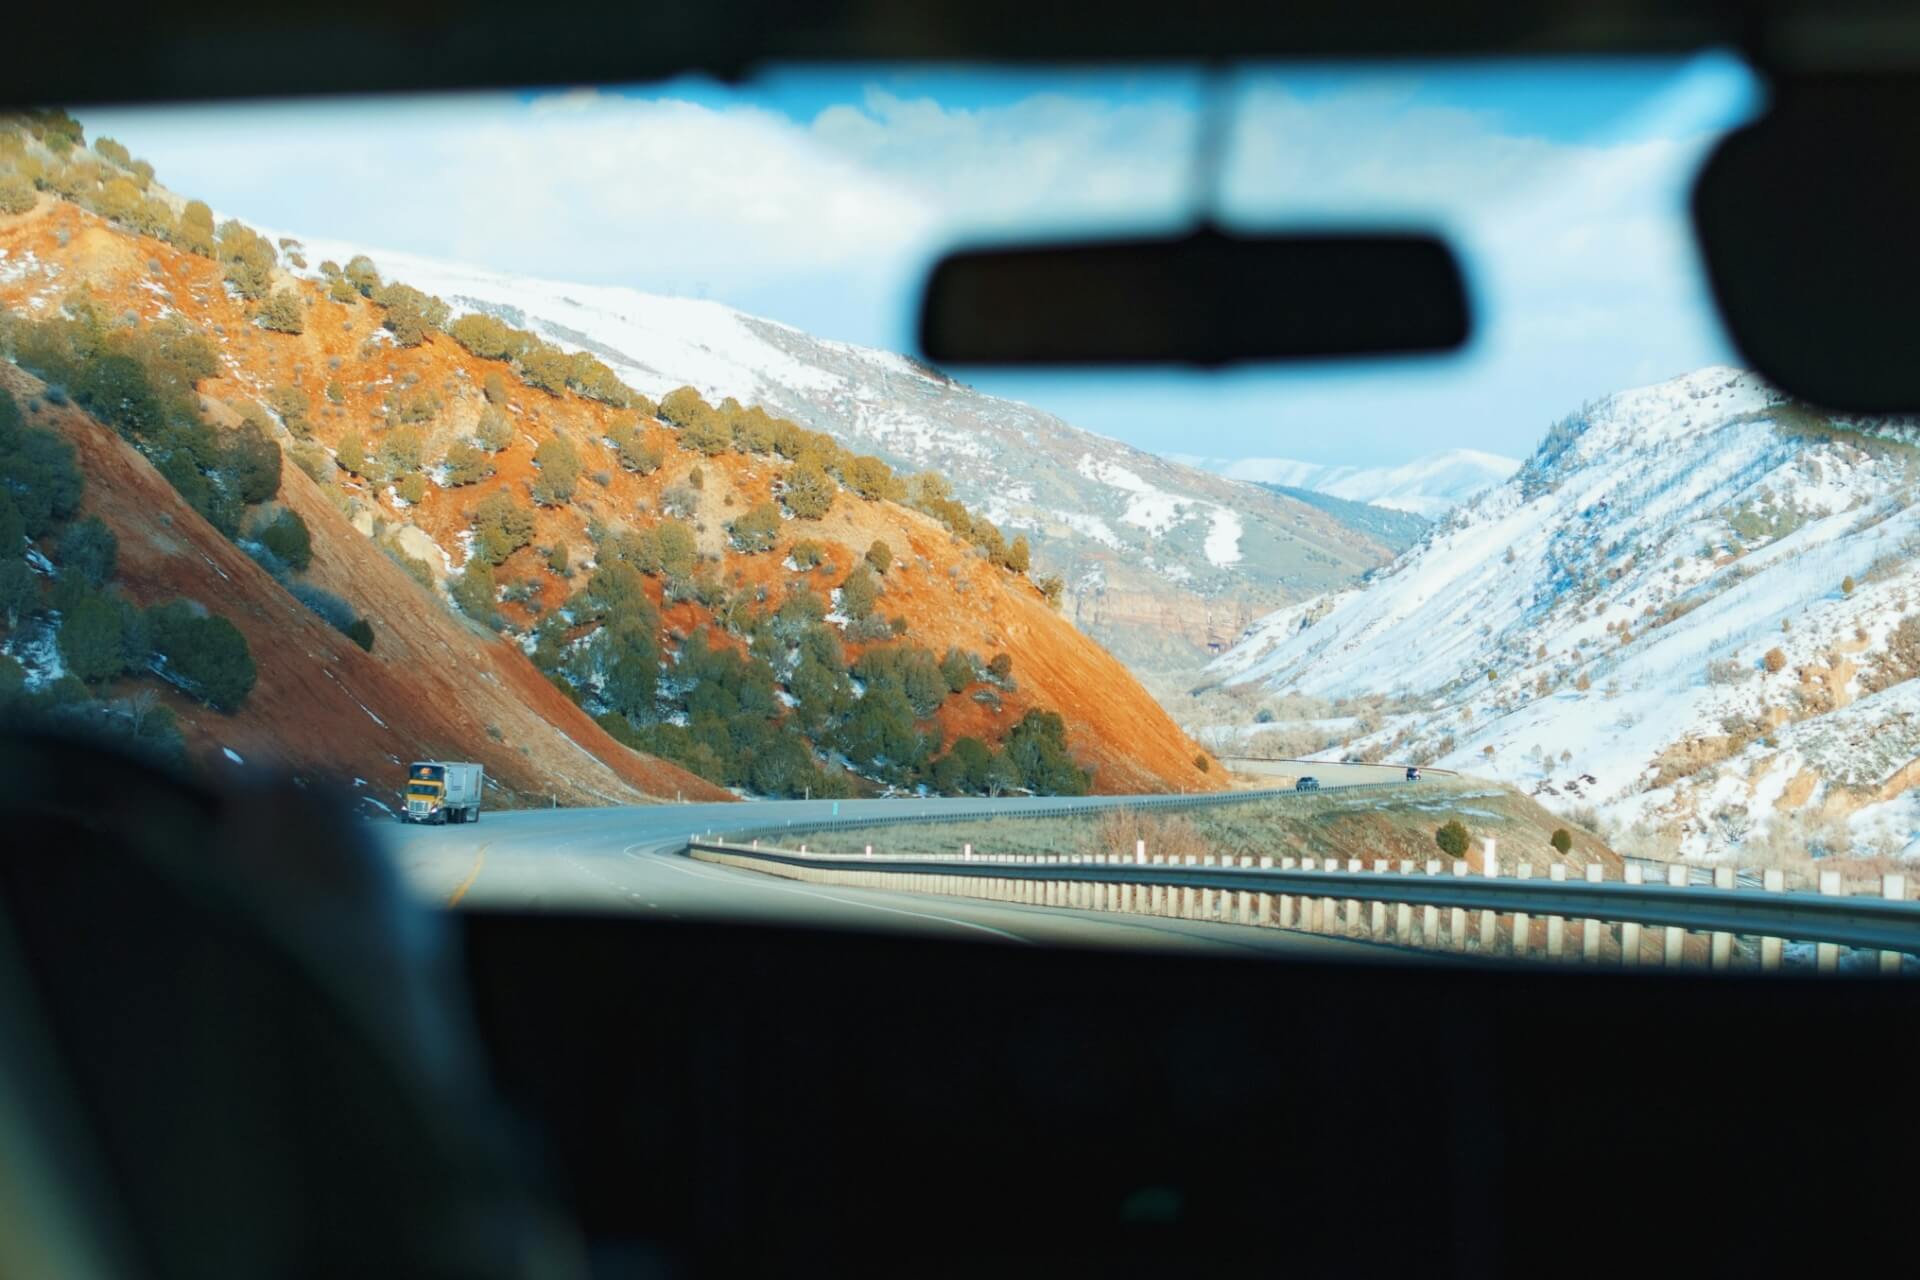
[434,687]
[453,686]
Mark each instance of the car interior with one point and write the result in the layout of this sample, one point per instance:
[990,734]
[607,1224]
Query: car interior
[219,1063]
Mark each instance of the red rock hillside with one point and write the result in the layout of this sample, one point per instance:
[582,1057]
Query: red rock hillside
[436,684]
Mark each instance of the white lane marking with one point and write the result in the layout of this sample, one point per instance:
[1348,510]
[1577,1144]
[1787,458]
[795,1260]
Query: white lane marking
[849,902]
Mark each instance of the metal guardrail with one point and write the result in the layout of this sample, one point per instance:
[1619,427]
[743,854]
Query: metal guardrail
[1890,925]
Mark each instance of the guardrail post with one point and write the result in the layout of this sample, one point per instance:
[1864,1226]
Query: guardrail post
[1326,907]
[1590,929]
[1630,929]
[1263,902]
[1827,954]
[1557,925]
[1207,895]
[1187,909]
[1457,921]
[1403,911]
[1377,915]
[1893,887]
[1245,915]
[1309,905]
[1774,881]
[1286,899]
[1720,953]
[1353,904]
[966,851]
[1430,915]
[1489,920]
[1522,922]
[1677,878]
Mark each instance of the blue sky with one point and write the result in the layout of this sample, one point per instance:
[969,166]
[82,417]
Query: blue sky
[819,197]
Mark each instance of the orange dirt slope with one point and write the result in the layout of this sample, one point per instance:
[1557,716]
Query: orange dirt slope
[948,593]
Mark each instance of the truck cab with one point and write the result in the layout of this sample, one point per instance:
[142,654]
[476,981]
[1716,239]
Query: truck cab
[442,791]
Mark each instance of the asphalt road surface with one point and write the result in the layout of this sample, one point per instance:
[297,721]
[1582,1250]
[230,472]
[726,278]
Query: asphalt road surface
[628,860]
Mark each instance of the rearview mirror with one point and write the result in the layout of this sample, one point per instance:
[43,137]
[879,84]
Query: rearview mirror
[1208,298]
[1809,223]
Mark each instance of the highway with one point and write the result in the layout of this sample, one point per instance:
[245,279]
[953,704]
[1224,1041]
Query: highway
[627,860]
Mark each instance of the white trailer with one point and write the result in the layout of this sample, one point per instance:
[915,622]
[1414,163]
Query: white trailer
[443,791]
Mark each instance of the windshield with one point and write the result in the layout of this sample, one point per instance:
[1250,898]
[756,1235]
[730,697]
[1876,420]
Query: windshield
[625,376]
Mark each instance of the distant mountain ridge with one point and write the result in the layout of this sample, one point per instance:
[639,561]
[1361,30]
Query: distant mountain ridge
[1428,487]
[1397,529]
[1696,607]
[1162,561]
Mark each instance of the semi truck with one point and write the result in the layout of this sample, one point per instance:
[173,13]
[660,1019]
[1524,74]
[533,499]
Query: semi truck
[442,791]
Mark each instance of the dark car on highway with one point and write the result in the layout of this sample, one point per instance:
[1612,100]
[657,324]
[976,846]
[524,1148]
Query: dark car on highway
[1307,784]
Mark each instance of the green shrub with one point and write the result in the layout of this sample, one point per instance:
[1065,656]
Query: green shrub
[757,530]
[963,769]
[678,548]
[808,491]
[411,487]
[858,593]
[559,465]
[313,460]
[361,274]
[293,405]
[93,637]
[88,549]
[476,593]
[501,527]
[16,194]
[880,556]
[283,312]
[634,453]
[248,258]
[1000,669]
[959,670]
[466,465]
[1452,838]
[411,314]
[495,429]
[208,652]
[872,479]
[807,554]
[494,387]
[1561,840]
[487,337]
[352,454]
[1037,746]
[401,449]
[252,461]
[360,631]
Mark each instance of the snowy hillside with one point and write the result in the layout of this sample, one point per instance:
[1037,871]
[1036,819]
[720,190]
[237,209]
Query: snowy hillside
[1160,559]
[1691,595]
[1430,486]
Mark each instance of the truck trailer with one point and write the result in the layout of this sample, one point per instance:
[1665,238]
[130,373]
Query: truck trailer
[443,791]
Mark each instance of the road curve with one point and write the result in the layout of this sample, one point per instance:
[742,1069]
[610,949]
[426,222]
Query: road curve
[628,859]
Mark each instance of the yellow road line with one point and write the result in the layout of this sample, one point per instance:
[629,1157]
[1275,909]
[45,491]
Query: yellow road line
[479,860]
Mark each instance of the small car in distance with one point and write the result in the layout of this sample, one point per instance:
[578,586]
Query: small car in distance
[1413,774]
[1307,784]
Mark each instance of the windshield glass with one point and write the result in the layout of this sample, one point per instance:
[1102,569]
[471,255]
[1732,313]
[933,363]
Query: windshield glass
[625,375]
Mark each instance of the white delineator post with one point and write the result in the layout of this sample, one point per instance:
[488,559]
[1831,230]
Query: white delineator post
[1263,902]
[1590,928]
[1377,917]
[1430,914]
[1677,878]
[1403,911]
[1827,954]
[1557,925]
[1353,904]
[1245,915]
[1187,909]
[1893,887]
[1286,899]
[1630,929]
[1774,881]
[1522,923]
[1457,921]
[1720,953]
[1489,920]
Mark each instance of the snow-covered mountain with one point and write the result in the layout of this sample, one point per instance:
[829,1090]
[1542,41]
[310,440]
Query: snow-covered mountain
[1163,562]
[1696,607]
[1429,486]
